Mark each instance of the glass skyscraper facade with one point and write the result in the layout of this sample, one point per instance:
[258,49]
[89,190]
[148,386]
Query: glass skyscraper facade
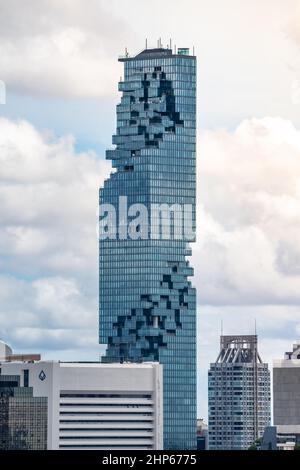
[147,302]
[23,417]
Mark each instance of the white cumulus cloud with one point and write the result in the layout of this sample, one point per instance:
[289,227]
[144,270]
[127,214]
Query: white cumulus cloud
[66,49]
[248,249]
[246,257]
[48,239]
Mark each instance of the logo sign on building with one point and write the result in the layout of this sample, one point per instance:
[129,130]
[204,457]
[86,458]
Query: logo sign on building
[42,375]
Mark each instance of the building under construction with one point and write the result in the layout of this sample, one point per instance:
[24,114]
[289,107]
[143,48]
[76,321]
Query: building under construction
[238,394]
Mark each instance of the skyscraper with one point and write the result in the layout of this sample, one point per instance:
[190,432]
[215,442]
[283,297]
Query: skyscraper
[147,302]
[238,395]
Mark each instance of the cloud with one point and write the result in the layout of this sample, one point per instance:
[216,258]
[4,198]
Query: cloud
[66,50]
[61,49]
[246,257]
[293,25]
[292,32]
[49,316]
[49,198]
[248,252]
[248,249]
[48,239]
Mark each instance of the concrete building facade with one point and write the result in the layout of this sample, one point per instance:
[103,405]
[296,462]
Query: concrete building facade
[97,406]
[286,392]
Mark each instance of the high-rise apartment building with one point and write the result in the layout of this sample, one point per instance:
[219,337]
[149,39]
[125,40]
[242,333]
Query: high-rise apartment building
[147,302]
[286,395]
[238,394]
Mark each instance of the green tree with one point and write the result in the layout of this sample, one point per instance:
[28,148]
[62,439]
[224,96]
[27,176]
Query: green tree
[256,445]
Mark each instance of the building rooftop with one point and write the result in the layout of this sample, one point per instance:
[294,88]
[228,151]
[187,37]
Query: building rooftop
[6,355]
[291,358]
[157,53]
[238,349]
[78,364]
[129,365]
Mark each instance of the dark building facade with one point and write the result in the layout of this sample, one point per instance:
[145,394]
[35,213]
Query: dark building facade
[202,435]
[23,418]
[147,301]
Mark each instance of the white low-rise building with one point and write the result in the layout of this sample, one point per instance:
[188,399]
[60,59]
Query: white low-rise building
[95,405]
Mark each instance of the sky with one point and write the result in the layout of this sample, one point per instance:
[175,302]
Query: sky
[59,62]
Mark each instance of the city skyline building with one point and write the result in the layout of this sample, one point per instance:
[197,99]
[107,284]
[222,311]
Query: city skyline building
[286,395]
[238,395]
[85,406]
[147,301]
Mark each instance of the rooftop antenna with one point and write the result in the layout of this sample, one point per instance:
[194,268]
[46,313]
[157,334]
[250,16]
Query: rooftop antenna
[193,50]
[170,43]
[221,327]
[146,44]
[126,52]
[175,48]
[255,330]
